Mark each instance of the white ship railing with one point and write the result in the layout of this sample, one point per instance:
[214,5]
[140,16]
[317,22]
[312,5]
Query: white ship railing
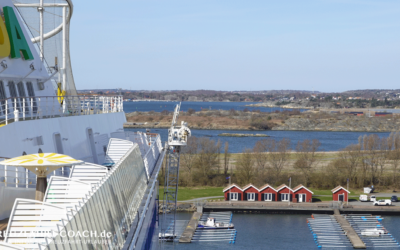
[15,109]
[112,206]
[19,177]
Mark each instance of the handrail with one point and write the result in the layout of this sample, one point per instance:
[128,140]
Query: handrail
[14,109]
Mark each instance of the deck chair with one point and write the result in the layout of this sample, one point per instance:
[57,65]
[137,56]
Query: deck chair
[66,192]
[116,149]
[31,222]
[88,173]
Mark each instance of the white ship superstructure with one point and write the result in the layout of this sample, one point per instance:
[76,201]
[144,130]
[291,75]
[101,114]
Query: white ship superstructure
[115,190]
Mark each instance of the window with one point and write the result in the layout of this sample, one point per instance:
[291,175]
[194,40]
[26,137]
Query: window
[22,94]
[268,197]
[234,196]
[13,93]
[31,94]
[3,98]
[284,197]
[251,196]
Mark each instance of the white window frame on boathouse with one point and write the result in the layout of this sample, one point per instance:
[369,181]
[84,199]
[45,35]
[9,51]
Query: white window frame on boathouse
[285,195]
[251,196]
[233,196]
[268,196]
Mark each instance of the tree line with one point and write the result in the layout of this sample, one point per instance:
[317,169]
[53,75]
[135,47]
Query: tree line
[373,160]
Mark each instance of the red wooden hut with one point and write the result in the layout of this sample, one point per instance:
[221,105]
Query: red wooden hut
[302,194]
[284,193]
[250,193]
[233,193]
[339,193]
[267,193]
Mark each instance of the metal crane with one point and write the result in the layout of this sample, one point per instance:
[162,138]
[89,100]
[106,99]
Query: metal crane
[177,138]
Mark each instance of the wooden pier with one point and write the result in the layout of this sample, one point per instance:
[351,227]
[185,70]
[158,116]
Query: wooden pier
[187,235]
[350,232]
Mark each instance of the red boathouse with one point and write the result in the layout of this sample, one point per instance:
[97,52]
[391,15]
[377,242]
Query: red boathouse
[233,193]
[250,193]
[284,193]
[339,193]
[267,193]
[302,194]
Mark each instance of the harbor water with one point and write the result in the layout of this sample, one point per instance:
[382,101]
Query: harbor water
[330,141]
[144,106]
[272,231]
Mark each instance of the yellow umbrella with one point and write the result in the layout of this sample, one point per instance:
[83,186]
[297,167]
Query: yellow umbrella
[42,164]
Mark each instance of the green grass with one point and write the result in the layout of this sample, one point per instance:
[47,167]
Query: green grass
[188,193]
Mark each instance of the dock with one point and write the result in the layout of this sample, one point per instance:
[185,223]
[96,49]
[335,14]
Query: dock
[349,230]
[190,229]
[297,208]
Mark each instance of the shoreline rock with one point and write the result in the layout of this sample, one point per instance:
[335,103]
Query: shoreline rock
[243,135]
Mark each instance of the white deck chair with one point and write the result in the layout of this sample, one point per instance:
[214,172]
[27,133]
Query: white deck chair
[88,172]
[6,246]
[141,140]
[119,135]
[36,220]
[66,192]
[116,149]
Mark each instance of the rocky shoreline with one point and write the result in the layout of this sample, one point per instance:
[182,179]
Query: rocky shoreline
[348,124]
[243,135]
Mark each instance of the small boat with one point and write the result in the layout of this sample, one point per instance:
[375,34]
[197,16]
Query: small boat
[211,224]
[372,232]
[168,237]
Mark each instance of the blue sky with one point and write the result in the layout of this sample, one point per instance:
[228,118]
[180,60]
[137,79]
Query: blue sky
[326,45]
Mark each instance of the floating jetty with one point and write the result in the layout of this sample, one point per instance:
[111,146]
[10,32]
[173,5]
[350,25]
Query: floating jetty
[297,208]
[327,232]
[337,231]
[193,234]
[362,222]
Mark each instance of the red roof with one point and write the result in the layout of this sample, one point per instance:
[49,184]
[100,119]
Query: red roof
[266,186]
[231,186]
[283,186]
[338,188]
[298,187]
[249,186]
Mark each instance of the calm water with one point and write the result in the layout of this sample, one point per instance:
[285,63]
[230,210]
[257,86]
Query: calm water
[160,106]
[330,141]
[270,231]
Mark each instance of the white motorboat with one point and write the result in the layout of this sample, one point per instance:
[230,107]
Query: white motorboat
[372,232]
[211,224]
[168,237]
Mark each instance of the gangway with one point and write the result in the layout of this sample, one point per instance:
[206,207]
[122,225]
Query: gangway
[177,138]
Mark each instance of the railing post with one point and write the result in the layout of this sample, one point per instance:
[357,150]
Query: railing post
[39,109]
[16,115]
[23,108]
[16,177]
[6,111]
[26,178]
[31,102]
[5,175]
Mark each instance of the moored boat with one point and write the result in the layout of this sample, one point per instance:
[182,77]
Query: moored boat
[211,224]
